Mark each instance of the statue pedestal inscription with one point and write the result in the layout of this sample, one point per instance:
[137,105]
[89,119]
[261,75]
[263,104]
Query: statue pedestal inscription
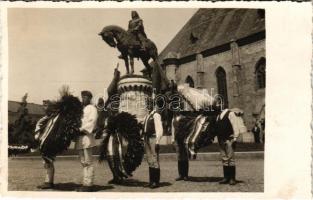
[135,95]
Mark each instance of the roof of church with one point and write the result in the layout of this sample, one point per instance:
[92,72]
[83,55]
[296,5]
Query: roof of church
[209,28]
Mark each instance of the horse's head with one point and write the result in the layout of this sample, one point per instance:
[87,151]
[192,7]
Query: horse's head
[108,37]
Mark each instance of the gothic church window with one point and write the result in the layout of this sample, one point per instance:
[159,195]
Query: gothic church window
[260,73]
[222,85]
[190,81]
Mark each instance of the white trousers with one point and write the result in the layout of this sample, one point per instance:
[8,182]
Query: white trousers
[227,153]
[85,156]
[49,167]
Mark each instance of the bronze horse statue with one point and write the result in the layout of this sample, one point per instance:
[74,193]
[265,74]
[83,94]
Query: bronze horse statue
[130,47]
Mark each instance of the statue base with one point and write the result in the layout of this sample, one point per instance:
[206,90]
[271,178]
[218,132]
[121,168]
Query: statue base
[135,95]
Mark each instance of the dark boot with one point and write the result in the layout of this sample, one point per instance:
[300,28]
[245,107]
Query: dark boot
[180,171]
[116,179]
[119,173]
[45,186]
[232,175]
[118,167]
[150,177]
[185,170]
[155,178]
[111,166]
[226,175]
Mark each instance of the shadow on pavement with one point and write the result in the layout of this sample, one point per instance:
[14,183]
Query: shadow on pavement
[208,179]
[239,181]
[133,183]
[73,186]
[164,184]
[137,183]
[204,179]
[97,188]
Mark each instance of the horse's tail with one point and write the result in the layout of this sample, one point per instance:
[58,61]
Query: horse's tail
[159,78]
[152,49]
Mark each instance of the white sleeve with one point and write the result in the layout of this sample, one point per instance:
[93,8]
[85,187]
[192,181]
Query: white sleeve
[39,123]
[233,120]
[89,119]
[158,127]
[173,129]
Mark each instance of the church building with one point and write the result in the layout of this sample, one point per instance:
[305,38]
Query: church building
[223,52]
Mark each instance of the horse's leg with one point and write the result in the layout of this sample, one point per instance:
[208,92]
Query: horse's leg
[126,64]
[131,59]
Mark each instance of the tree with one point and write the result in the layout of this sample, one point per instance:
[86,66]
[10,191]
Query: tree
[21,132]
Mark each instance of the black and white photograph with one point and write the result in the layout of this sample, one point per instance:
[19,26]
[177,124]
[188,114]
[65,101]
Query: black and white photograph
[146,100]
[136,100]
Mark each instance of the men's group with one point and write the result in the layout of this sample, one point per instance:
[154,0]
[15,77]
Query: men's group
[152,130]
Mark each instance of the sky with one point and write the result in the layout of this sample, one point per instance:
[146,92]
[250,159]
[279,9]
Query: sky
[51,47]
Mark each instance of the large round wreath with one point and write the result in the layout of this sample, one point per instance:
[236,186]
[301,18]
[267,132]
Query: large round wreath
[127,125]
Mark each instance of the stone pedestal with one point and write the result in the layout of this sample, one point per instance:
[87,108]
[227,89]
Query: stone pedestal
[135,95]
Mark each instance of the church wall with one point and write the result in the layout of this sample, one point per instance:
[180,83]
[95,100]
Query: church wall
[211,63]
[185,70]
[249,97]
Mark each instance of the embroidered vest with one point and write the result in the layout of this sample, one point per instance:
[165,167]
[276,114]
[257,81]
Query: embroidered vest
[149,127]
[223,127]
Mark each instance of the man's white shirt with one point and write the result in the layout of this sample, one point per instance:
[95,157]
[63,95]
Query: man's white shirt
[89,119]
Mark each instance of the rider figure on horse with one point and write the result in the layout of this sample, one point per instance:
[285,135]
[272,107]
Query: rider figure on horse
[132,43]
[135,26]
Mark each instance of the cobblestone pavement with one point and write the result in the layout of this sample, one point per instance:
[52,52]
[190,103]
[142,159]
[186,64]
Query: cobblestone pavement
[26,174]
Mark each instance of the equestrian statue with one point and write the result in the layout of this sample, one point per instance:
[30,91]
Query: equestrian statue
[132,43]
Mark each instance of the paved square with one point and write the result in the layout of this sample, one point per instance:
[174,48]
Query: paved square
[26,174]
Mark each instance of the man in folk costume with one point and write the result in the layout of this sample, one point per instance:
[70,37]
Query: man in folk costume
[47,161]
[227,130]
[181,152]
[175,104]
[152,132]
[113,158]
[86,141]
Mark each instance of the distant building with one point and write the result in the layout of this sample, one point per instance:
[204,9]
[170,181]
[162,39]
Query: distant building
[35,111]
[223,49]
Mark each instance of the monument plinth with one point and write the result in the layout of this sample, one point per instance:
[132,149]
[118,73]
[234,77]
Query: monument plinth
[135,94]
